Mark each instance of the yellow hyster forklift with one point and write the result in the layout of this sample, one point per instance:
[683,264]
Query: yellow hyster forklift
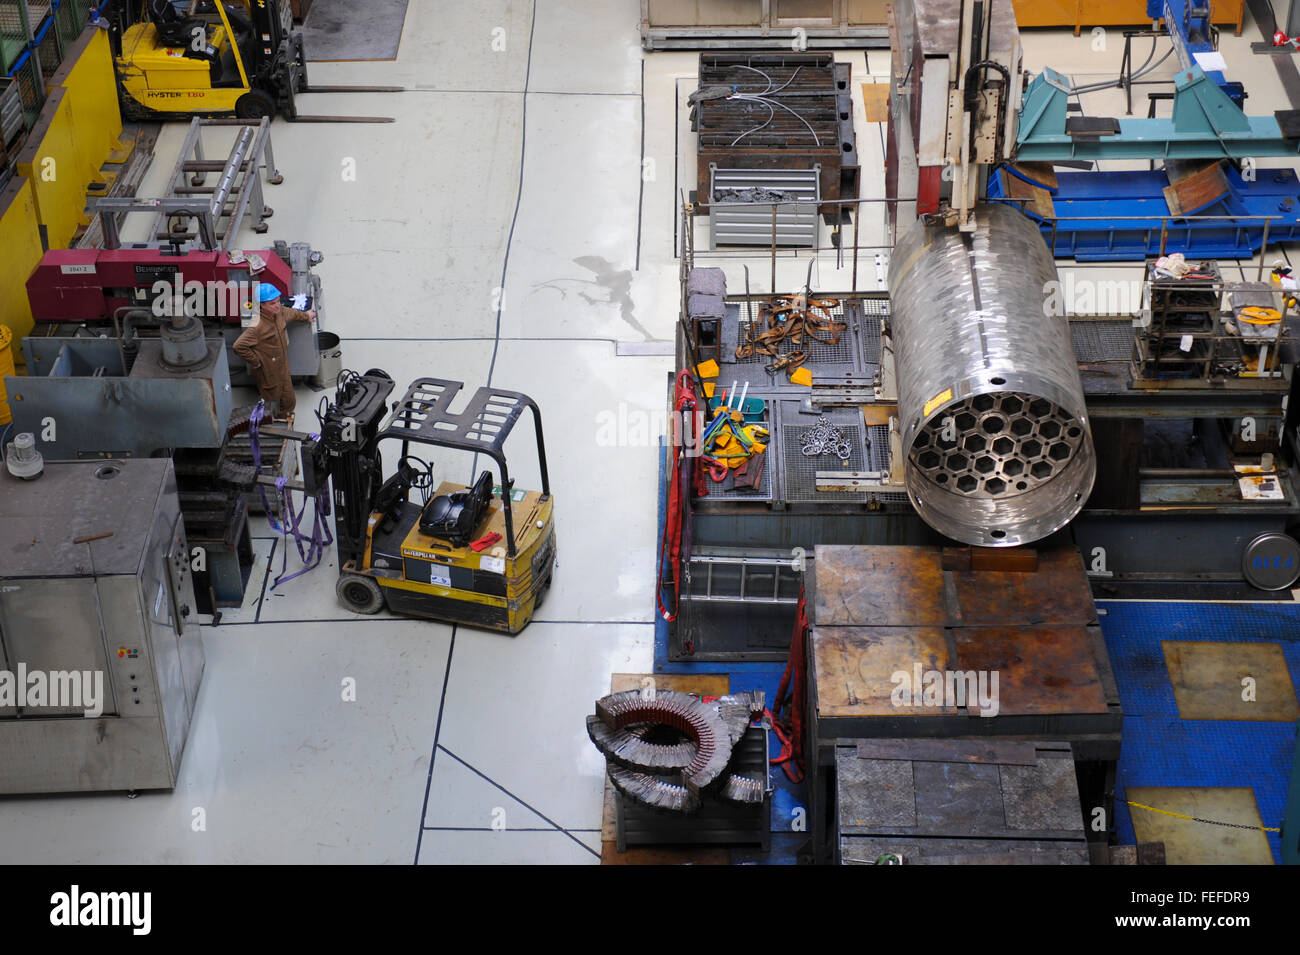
[182,58]
[480,555]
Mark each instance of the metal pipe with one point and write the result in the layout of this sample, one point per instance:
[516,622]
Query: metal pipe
[774,251]
[1263,247]
[1188,473]
[234,165]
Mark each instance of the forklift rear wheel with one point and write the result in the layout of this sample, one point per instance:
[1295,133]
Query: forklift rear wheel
[254,105]
[541,595]
[359,594]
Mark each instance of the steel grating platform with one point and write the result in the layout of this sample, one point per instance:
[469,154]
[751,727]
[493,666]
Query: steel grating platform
[869,325]
[727,490]
[856,355]
[798,471]
[1103,340]
[853,361]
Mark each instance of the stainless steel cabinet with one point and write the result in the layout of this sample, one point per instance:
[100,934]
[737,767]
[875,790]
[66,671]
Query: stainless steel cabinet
[96,592]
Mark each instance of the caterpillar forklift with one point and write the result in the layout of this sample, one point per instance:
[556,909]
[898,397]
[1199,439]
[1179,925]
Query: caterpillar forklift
[480,555]
[176,59]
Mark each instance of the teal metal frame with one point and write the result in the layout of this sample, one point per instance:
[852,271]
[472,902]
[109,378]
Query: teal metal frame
[1206,124]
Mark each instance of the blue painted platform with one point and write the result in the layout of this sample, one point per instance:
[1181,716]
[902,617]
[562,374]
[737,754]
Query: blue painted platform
[1114,196]
[1158,748]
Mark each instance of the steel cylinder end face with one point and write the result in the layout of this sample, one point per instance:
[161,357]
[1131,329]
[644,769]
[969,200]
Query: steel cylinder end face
[1019,470]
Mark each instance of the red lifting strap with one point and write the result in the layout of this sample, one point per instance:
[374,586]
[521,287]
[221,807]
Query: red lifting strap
[794,691]
[679,484]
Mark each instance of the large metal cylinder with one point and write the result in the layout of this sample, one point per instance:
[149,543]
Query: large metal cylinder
[998,450]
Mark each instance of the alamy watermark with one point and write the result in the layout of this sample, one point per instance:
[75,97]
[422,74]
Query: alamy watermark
[632,427]
[1083,296]
[62,689]
[77,908]
[211,299]
[972,689]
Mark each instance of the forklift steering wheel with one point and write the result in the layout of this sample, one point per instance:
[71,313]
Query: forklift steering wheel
[420,473]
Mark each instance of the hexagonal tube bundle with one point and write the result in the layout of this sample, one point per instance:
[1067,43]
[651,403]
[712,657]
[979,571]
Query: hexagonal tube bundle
[998,450]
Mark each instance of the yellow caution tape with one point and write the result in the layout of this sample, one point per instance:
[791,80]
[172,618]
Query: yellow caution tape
[1210,822]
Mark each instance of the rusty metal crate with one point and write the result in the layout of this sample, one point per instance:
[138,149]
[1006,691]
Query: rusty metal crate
[813,124]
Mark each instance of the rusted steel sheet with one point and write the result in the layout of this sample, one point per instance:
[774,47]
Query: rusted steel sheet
[905,586]
[1039,669]
[888,586]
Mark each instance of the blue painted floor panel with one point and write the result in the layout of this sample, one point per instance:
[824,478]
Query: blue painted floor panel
[1159,749]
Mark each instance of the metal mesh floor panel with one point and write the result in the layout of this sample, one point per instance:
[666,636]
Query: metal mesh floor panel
[727,490]
[1102,341]
[878,452]
[841,353]
[869,329]
[800,471]
[11,24]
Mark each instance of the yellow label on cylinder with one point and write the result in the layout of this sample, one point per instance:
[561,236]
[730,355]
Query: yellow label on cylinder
[940,398]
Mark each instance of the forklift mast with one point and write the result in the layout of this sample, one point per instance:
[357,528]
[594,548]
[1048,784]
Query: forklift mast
[272,25]
[347,451]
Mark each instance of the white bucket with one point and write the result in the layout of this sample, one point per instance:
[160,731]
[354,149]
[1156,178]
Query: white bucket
[331,360]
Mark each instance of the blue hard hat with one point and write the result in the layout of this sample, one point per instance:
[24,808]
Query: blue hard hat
[266,292]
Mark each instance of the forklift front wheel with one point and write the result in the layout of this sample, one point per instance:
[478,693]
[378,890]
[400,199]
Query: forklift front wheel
[254,105]
[359,594]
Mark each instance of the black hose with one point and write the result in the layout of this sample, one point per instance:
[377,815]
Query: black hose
[973,95]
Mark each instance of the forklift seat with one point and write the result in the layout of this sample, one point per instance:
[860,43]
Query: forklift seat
[173,28]
[456,516]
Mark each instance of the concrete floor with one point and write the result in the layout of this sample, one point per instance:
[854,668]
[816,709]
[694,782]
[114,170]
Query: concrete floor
[517,224]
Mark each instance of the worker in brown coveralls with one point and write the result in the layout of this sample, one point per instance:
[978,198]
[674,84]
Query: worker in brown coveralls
[265,346]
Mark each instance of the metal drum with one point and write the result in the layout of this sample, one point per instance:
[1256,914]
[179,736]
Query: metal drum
[997,446]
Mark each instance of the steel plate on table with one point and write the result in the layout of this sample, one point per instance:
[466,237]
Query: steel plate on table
[853,667]
[1057,593]
[1040,670]
[879,586]
[1007,752]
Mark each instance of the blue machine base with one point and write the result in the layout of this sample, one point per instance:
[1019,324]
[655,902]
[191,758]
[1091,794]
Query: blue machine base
[1109,197]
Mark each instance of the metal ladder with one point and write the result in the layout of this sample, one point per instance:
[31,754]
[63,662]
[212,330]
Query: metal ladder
[194,214]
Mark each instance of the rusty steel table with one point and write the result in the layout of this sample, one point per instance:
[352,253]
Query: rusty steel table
[881,613]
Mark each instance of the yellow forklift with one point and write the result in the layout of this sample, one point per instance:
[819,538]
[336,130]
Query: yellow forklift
[481,555]
[176,59]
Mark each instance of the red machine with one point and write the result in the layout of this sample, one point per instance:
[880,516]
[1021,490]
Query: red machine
[89,285]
